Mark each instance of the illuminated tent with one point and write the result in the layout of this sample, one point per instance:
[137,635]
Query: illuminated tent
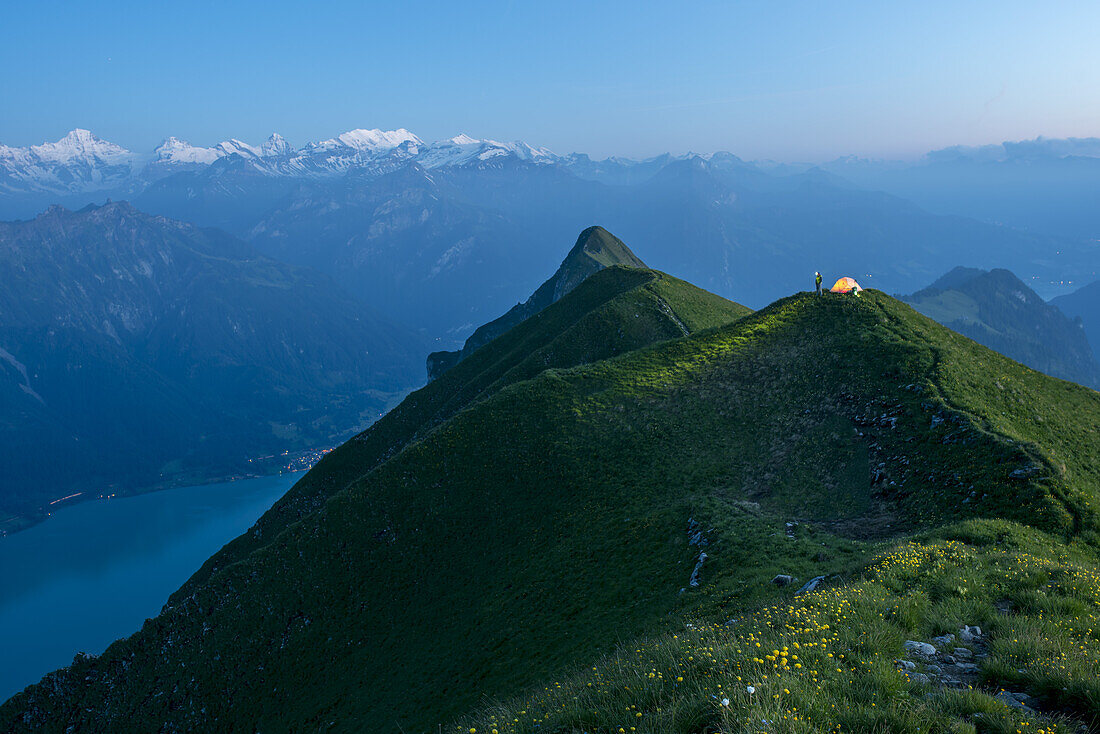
[846,285]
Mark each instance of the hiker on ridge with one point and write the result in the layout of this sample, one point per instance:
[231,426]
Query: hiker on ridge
[817,282]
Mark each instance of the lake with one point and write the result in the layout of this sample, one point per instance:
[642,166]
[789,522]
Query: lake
[93,572]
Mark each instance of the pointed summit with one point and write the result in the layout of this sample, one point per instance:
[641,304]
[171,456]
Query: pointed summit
[276,145]
[596,249]
[174,150]
[80,145]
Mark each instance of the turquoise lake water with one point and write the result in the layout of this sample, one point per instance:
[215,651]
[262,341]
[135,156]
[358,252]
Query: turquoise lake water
[93,572]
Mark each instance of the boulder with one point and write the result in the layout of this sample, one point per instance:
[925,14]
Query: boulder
[970,634]
[810,585]
[922,649]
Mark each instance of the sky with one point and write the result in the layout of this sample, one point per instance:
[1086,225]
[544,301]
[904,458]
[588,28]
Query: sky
[788,80]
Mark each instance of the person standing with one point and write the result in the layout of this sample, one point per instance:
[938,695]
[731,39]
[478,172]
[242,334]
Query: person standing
[817,282]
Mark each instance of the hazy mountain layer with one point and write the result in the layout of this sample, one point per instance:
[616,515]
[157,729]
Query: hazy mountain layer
[1084,304]
[996,309]
[1042,185]
[449,248]
[137,351]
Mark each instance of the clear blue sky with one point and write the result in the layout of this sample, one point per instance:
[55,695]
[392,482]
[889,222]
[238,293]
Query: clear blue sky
[782,79]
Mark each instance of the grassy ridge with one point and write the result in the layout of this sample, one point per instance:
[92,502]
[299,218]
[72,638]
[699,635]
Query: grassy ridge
[614,311]
[549,520]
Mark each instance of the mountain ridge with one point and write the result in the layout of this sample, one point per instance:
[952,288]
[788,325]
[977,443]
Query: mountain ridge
[855,417]
[595,249]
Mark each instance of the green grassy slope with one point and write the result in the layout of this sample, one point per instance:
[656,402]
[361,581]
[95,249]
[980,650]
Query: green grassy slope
[531,532]
[616,310]
[828,660]
[595,249]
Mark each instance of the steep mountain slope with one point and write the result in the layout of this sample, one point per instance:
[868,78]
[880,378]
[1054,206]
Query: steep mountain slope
[531,530]
[596,248]
[1084,304]
[147,351]
[614,311]
[996,309]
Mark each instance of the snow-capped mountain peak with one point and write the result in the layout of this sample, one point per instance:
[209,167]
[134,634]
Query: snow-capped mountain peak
[77,162]
[82,162]
[276,145]
[463,150]
[78,144]
[237,147]
[174,150]
[375,140]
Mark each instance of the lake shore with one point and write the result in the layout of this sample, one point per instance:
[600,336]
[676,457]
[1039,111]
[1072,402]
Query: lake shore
[97,570]
[258,467]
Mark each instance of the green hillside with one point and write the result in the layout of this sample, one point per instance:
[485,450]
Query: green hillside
[546,535]
[616,310]
[596,248]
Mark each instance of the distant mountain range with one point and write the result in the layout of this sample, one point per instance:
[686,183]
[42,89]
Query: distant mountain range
[996,309]
[81,162]
[447,235]
[138,351]
[1044,185]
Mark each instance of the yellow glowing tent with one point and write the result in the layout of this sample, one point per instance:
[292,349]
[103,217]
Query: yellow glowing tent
[846,285]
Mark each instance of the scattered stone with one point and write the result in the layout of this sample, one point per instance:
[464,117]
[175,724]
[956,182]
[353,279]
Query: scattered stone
[695,580]
[944,640]
[1013,699]
[970,634]
[810,585]
[1025,472]
[949,659]
[920,678]
[967,667]
[782,580]
[962,653]
[922,649]
[935,669]
[906,664]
